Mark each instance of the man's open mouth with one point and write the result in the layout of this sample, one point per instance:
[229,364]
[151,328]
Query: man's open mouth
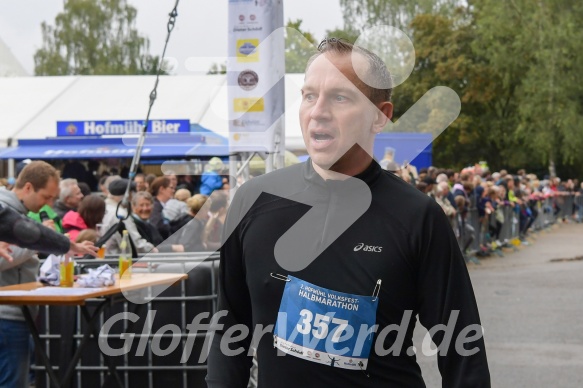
[321,136]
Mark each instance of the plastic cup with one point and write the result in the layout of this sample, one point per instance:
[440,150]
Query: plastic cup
[67,277]
[125,268]
[101,252]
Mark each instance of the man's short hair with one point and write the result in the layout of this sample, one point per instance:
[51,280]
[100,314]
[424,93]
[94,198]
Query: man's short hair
[66,188]
[38,174]
[377,74]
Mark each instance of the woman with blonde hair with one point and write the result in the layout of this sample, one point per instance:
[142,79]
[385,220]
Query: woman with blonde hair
[190,231]
[214,226]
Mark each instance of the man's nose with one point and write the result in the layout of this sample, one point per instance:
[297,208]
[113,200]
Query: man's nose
[321,109]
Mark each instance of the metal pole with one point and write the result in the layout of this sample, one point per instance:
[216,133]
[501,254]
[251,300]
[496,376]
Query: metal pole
[11,168]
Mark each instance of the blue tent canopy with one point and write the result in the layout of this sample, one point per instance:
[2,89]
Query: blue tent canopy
[155,146]
[414,148]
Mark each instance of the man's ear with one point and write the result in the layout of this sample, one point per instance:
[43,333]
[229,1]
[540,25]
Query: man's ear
[28,188]
[383,115]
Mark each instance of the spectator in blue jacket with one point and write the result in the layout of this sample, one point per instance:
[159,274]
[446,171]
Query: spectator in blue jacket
[211,180]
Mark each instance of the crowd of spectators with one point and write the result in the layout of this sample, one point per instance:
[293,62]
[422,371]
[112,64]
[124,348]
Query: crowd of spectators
[485,194]
[173,213]
[164,219]
[168,212]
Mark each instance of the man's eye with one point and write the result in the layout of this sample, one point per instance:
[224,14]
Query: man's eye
[309,97]
[340,98]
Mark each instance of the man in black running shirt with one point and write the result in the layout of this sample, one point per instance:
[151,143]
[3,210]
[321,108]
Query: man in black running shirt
[334,259]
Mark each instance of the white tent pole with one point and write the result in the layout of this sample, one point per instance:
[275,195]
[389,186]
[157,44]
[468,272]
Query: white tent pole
[247,157]
[232,175]
[269,167]
[11,169]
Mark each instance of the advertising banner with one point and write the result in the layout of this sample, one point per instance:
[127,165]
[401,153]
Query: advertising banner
[255,75]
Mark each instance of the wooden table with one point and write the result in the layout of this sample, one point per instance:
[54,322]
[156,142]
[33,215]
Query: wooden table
[37,294]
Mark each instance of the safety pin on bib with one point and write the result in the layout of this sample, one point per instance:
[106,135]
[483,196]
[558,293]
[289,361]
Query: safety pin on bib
[280,277]
[377,290]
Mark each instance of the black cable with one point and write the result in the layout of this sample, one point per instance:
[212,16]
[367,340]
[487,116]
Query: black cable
[153,94]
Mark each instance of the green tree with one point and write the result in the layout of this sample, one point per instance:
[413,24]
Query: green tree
[397,13]
[299,47]
[515,66]
[94,37]
[217,68]
[347,34]
[532,48]
[443,57]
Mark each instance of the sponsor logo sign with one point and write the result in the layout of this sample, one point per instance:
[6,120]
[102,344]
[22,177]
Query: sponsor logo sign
[120,127]
[247,50]
[249,104]
[248,79]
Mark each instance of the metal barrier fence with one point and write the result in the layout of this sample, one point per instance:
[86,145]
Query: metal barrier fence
[61,328]
[579,208]
[506,220]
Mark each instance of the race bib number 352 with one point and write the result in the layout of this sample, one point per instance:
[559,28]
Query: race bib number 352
[325,326]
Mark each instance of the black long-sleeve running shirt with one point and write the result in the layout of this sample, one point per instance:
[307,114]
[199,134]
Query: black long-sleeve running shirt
[17,229]
[420,265]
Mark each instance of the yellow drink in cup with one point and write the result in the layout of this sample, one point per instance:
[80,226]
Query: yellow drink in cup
[125,268]
[125,257]
[67,269]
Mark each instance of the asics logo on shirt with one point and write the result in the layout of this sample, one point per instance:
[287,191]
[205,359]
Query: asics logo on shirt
[368,248]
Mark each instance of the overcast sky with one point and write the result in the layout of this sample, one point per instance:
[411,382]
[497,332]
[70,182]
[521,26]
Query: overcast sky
[201,27]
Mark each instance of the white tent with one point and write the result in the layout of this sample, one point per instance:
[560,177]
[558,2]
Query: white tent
[31,106]
[9,65]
